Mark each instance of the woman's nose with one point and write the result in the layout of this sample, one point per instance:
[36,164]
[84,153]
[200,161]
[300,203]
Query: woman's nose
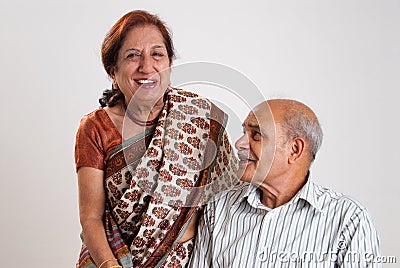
[146,64]
[242,143]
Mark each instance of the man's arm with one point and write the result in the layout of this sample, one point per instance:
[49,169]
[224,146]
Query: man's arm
[359,243]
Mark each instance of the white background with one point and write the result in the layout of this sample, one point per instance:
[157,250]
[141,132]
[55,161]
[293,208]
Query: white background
[342,58]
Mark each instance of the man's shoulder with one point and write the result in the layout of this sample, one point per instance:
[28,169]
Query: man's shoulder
[231,196]
[329,199]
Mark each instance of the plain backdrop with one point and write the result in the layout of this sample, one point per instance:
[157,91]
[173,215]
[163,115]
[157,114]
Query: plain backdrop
[341,57]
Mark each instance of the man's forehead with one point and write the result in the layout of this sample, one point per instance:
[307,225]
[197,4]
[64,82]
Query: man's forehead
[257,122]
[251,116]
[251,119]
[260,113]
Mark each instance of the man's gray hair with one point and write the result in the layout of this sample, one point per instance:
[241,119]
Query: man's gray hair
[300,124]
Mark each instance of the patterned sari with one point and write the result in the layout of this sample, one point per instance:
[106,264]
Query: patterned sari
[157,180]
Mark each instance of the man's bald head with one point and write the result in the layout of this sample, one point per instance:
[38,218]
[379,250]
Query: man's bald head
[296,119]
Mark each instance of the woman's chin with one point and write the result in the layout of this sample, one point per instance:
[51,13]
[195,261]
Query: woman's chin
[148,94]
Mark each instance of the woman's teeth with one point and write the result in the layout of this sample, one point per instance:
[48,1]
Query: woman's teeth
[142,81]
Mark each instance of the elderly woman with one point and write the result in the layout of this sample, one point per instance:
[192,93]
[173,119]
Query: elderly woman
[141,155]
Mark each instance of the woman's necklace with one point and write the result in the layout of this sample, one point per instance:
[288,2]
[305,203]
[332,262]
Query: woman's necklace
[137,121]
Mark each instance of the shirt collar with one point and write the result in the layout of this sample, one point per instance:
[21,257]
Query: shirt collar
[243,192]
[307,193]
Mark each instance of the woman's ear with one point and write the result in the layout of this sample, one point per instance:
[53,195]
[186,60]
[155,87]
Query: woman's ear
[112,76]
[112,73]
[296,149]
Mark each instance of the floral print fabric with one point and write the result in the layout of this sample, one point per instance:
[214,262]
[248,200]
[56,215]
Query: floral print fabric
[155,184]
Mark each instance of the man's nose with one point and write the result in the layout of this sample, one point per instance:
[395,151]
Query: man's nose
[242,143]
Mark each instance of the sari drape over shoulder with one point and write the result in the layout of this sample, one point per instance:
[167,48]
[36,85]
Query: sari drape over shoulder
[157,180]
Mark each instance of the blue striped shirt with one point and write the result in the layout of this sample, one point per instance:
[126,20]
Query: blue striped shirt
[316,228]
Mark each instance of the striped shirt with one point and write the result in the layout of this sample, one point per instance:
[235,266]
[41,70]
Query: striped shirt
[316,228]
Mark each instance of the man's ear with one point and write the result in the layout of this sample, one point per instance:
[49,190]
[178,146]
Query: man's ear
[296,149]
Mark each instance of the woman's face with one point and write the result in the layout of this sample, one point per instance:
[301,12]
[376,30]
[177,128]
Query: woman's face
[142,68]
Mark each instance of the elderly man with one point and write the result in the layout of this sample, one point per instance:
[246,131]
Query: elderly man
[279,217]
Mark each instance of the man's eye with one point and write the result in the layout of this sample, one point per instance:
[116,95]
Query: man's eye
[257,135]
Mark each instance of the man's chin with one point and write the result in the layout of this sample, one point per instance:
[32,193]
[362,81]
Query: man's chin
[252,180]
[248,174]
[246,170]
[245,173]
[245,179]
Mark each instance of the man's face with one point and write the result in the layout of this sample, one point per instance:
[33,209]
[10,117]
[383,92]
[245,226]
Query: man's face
[256,148]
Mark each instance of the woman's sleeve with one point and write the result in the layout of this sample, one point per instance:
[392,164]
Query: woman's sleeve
[89,150]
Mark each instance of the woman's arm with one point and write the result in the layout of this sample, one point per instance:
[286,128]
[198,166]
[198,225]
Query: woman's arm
[192,228]
[91,210]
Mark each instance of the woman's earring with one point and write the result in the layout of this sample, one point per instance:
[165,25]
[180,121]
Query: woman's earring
[115,85]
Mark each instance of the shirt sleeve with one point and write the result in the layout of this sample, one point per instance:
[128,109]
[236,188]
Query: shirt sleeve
[203,248]
[89,150]
[359,243]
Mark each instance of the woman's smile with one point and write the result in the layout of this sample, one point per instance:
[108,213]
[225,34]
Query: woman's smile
[146,83]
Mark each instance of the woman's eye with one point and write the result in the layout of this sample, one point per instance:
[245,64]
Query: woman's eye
[133,56]
[158,54]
